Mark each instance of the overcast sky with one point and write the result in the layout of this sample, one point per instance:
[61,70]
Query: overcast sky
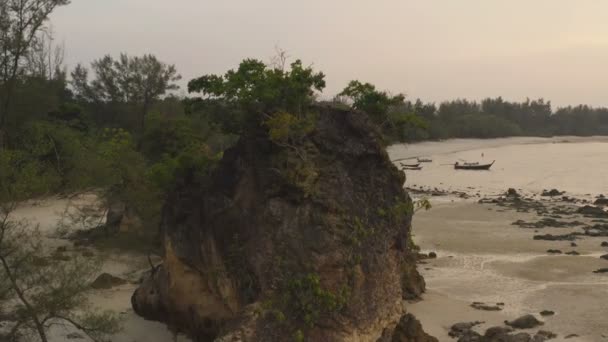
[432,49]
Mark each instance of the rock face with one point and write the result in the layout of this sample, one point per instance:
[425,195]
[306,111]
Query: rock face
[303,242]
[409,329]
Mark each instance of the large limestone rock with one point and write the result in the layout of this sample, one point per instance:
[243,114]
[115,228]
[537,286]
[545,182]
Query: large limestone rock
[309,241]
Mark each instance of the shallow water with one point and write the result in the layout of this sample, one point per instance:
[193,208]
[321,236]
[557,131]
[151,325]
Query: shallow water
[575,165]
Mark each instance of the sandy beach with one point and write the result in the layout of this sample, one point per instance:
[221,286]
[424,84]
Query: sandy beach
[482,257]
[46,214]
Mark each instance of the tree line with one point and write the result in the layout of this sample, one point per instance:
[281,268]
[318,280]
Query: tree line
[496,117]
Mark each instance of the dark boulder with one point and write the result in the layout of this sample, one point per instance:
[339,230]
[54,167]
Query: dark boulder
[485,307]
[601,270]
[497,332]
[106,281]
[464,333]
[601,201]
[592,211]
[597,230]
[524,322]
[552,193]
[459,329]
[543,335]
[512,193]
[554,251]
[551,237]
[409,329]
[547,313]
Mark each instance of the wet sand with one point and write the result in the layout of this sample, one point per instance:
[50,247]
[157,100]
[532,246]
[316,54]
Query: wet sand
[484,258]
[45,214]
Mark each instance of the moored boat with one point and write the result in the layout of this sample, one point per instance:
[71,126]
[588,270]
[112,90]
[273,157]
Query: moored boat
[473,166]
[410,165]
[425,160]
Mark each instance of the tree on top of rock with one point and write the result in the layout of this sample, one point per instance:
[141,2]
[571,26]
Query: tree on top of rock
[254,92]
[389,112]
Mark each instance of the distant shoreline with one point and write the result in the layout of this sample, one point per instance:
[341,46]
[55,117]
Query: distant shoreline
[466,144]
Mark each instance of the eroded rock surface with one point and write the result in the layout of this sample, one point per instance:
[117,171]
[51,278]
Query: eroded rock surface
[303,242]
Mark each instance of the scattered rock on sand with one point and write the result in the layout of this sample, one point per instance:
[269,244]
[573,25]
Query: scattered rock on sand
[459,329]
[554,251]
[605,257]
[590,210]
[496,333]
[551,237]
[542,335]
[605,244]
[547,313]
[552,192]
[432,255]
[408,329]
[597,230]
[547,222]
[524,322]
[571,336]
[512,193]
[601,201]
[573,253]
[465,333]
[485,307]
[107,281]
[573,244]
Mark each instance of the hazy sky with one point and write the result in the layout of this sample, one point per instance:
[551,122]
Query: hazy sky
[432,49]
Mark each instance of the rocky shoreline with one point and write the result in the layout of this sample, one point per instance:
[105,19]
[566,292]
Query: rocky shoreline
[550,218]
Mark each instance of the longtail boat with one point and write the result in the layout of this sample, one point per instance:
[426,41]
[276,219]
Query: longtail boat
[410,165]
[473,166]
